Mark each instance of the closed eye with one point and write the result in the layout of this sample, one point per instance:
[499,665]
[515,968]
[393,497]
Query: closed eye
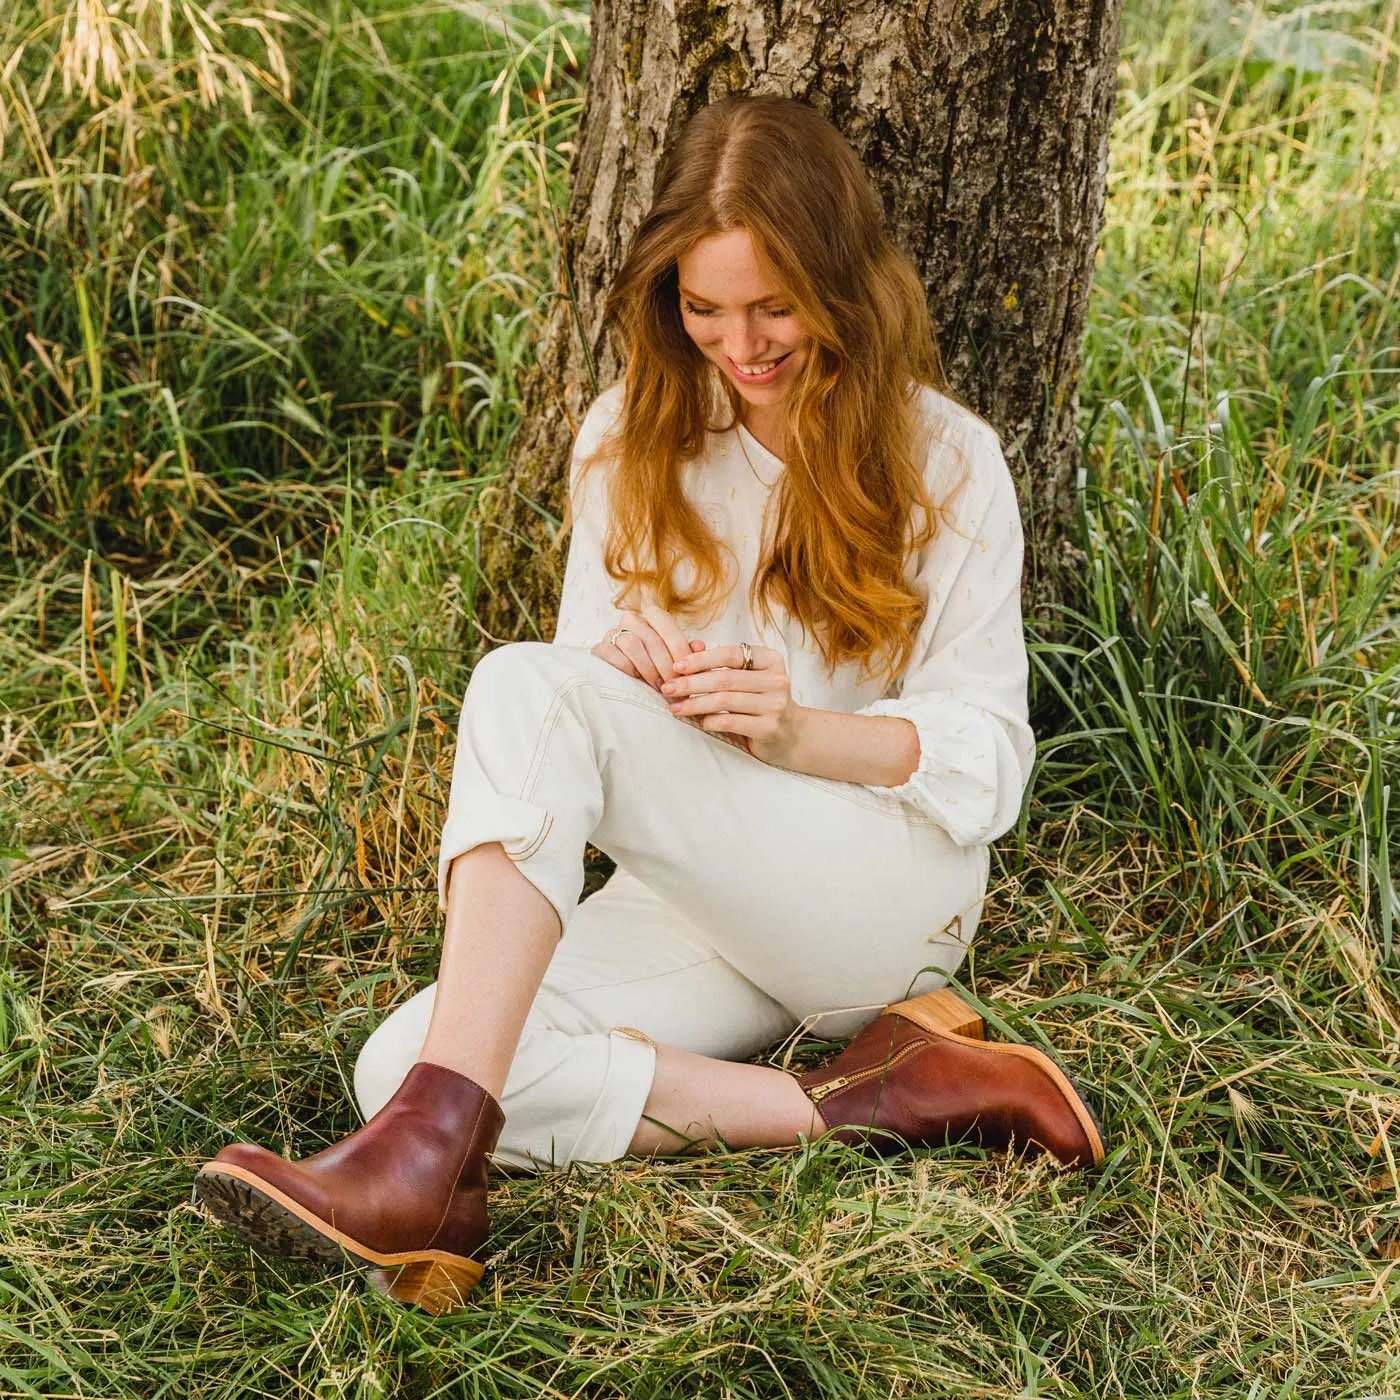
[771,311]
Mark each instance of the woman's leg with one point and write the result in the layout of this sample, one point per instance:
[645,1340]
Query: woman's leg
[634,1043]
[499,936]
[696,1101]
[822,893]
[501,933]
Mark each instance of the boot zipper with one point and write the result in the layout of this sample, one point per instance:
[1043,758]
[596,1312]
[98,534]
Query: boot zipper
[843,1081]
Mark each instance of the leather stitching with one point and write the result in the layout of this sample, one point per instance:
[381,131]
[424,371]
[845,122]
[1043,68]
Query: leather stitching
[457,1175]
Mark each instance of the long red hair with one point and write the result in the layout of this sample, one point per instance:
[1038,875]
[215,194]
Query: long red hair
[852,503]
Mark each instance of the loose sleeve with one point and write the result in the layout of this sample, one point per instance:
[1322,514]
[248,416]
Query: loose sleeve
[965,685]
[586,608]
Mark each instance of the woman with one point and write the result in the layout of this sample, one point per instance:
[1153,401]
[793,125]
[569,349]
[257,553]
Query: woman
[799,803]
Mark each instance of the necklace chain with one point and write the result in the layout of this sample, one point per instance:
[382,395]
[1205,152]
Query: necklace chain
[771,494]
[739,433]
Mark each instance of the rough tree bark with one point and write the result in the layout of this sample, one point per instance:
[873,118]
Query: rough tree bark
[985,129]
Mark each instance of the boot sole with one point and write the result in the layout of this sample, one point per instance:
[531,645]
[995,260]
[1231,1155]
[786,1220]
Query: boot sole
[258,1212]
[945,1014]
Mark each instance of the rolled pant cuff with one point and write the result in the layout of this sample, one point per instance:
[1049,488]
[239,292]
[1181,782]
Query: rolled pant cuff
[611,1123]
[523,829]
[608,1131]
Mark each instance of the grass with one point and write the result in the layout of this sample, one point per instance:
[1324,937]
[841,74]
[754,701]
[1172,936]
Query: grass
[262,313]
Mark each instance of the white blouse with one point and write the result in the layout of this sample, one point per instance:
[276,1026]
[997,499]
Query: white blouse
[965,684]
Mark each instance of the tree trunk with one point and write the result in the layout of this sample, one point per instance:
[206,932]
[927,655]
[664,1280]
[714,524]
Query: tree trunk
[985,129]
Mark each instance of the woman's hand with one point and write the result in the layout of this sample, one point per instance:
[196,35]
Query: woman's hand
[757,705]
[649,648]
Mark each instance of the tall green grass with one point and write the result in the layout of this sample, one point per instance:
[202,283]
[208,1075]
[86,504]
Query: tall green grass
[262,315]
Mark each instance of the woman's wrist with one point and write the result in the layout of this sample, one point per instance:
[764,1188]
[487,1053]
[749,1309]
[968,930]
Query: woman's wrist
[789,748]
[881,750]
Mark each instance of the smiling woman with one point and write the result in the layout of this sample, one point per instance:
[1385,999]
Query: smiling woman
[826,863]
[764,275]
[759,342]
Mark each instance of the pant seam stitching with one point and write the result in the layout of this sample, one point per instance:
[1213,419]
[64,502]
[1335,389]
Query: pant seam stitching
[646,977]
[546,826]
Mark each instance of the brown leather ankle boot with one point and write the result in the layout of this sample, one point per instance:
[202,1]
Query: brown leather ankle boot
[921,1070]
[405,1194]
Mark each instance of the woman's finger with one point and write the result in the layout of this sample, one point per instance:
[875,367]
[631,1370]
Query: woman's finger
[677,645]
[730,701]
[764,658]
[613,649]
[696,694]
[644,651]
[642,645]
[727,678]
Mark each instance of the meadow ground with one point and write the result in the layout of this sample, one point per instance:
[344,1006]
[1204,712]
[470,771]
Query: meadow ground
[264,298]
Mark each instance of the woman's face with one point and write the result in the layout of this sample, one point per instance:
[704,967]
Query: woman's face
[737,315]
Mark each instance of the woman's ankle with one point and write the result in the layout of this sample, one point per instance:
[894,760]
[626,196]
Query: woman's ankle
[696,1102]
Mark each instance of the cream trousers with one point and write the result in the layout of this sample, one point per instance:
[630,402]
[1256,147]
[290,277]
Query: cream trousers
[748,901]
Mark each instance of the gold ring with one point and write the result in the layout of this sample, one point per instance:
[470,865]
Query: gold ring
[748,656]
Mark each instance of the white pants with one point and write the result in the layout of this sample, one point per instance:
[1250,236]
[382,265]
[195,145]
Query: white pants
[748,900]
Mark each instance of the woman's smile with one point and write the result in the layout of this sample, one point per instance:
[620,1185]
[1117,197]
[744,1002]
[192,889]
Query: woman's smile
[759,372]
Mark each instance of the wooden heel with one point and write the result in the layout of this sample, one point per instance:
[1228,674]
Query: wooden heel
[432,1284]
[944,1012]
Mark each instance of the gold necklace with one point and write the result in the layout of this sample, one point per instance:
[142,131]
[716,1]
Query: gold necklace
[739,433]
[769,491]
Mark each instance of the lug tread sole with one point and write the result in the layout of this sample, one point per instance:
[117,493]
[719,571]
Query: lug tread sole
[264,1216]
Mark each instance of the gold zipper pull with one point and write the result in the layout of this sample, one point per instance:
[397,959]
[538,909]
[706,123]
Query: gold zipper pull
[842,1080]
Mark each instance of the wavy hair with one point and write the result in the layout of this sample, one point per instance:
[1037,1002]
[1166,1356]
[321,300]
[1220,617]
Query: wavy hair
[851,503]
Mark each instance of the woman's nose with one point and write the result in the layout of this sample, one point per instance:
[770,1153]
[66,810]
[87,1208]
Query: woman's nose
[743,341]
[743,350]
